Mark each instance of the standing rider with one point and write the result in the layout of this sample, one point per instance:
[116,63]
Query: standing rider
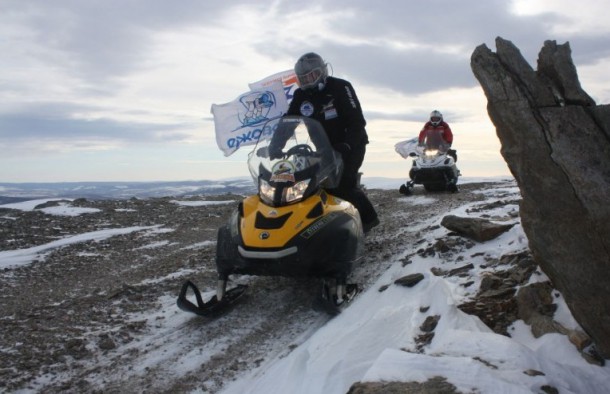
[333,103]
[437,134]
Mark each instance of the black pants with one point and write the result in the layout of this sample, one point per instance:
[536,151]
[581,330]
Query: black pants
[348,188]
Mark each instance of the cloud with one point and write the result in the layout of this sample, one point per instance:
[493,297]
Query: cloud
[102,74]
[419,47]
[411,47]
[53,127]
[98,39]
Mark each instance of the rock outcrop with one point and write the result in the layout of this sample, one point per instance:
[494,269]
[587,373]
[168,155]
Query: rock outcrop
[478,229]
[556,142]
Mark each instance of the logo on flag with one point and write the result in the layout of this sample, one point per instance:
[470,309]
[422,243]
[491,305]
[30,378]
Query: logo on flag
[244,120]
[257,106]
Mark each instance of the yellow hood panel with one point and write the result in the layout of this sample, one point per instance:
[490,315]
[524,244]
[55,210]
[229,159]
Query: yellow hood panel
[297,222]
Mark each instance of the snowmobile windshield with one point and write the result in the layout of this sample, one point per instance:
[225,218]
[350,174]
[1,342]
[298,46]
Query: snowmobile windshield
[434,140]
[294,162]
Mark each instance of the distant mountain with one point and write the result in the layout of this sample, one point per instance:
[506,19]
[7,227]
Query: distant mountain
[14,192]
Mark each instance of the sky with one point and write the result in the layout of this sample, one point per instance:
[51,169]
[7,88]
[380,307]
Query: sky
[113,90]
[348,348]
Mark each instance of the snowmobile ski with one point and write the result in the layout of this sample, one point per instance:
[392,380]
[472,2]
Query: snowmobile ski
[330,302]
[213,307]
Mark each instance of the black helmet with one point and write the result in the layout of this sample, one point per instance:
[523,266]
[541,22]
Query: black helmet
[311,71]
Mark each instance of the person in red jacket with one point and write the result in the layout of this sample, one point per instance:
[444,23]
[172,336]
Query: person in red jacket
[437,134]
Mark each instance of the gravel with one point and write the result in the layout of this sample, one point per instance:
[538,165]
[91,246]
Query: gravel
[100,316]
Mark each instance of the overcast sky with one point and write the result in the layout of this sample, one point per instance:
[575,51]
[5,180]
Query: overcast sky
[121,90]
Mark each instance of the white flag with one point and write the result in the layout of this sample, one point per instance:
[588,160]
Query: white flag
[405,148]
[288,79]
[242,121]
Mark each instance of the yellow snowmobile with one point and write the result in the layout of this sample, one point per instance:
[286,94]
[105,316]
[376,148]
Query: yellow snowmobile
[293,226]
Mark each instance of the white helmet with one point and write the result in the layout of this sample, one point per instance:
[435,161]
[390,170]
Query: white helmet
[436,117]
[311,71]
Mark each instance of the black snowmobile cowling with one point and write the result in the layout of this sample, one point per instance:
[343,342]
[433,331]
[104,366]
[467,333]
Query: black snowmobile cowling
[293,226]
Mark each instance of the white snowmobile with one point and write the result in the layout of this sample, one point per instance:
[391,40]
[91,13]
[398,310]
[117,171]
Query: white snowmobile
[433,165]
[293,227]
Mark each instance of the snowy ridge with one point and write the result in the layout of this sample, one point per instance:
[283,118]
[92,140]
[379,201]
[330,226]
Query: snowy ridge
[374,339]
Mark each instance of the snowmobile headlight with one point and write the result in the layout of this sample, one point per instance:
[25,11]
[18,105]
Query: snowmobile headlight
[266,191]
[297,191]
[289,194]
[431,152]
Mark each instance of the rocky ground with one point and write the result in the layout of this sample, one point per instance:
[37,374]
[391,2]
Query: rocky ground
[100,316]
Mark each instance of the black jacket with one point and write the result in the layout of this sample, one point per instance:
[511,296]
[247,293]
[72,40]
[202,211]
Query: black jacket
[337,108]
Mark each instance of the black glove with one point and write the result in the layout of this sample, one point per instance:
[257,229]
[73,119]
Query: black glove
[262,152]
[275,153]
